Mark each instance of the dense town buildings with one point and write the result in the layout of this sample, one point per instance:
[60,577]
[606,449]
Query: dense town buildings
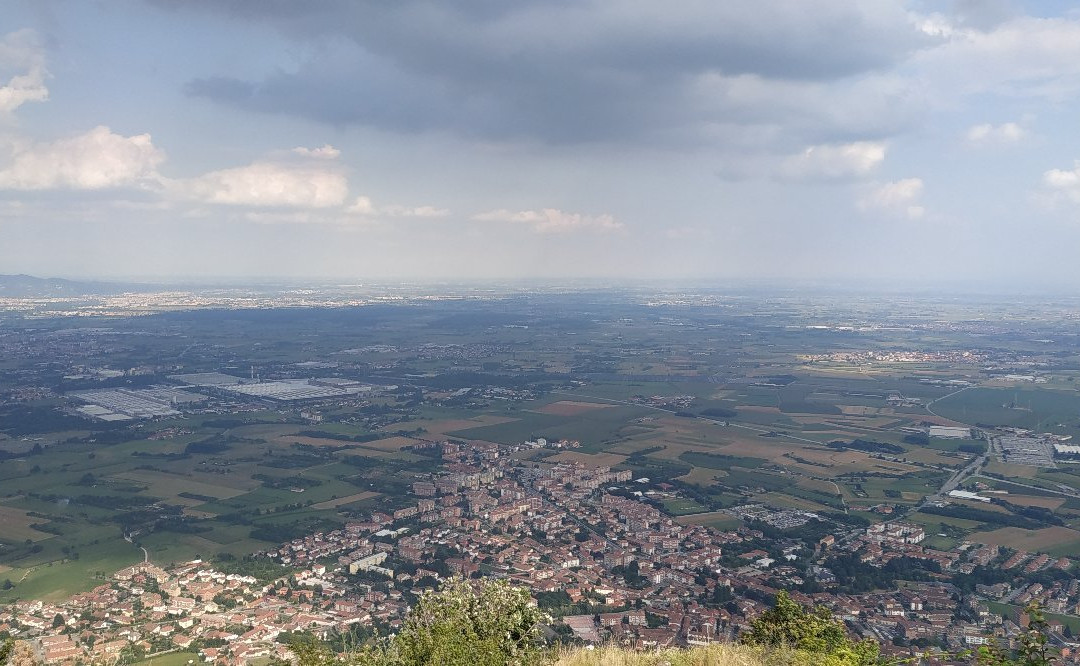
[592,548]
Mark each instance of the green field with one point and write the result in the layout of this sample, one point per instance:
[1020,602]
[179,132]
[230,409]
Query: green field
[80,493]
[171,659]
[1023,407]
[595,429]
[683,506]
[934,523]
[238,482]
[1010,610]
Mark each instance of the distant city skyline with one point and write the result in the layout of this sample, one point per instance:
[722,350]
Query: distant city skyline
[850,143]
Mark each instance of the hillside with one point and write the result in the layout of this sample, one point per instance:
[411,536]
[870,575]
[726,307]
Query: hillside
[28,286]
[718,654]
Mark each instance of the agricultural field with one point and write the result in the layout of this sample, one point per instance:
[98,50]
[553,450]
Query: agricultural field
[170,659]
[723,402]
[15,525]
[714,519]
[232,493]
[1052,540]
[572,407]
[1045,410]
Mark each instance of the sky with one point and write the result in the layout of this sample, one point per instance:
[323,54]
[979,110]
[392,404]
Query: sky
[885,141]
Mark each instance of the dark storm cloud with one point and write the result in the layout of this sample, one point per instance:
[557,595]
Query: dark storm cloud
[555,71]
[352,87]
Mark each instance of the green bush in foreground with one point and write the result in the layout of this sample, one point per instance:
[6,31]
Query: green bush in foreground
[717,654]
[814,632]
[492,624]
[1034,648]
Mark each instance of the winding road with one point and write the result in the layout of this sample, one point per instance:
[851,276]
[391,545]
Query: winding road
[948,395]
[972,468]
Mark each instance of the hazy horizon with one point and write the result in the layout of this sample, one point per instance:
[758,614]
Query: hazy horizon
[456,286]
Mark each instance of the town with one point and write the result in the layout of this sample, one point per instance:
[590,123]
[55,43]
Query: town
[593,550]
[215,486]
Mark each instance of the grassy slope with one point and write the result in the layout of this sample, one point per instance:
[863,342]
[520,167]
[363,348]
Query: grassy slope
[718,654]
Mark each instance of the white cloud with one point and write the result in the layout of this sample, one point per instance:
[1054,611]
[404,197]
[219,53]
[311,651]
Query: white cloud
[900,197]
[102,159]
[1064,183]
[986,134]
[364,206]
[325,152]
[935,25]
[270,184]
[416,211]
[1025,57]
[20,51]
[834,161]
[96,160]
[551,220]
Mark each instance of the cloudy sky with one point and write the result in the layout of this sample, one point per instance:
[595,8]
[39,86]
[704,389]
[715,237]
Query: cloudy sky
[916,142]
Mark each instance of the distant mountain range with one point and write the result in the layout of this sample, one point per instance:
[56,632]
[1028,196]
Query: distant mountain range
[28,286]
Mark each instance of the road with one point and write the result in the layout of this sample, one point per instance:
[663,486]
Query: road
[840,494]
[1063,493]
[145,553]
[956,479]
[992,448]
[589,528]
[974,467]
[948,395]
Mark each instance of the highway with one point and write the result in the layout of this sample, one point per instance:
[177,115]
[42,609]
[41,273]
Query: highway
[1063,493]
[956,479]
[974,467]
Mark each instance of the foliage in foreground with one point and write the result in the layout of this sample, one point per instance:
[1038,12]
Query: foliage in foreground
[717,654]
[815,632]
[1034,648]
[491,624]
[494,624]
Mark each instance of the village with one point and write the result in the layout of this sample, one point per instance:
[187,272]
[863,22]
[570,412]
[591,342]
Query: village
[597,555]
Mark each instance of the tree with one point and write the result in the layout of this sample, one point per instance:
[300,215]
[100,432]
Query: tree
[1034,649]
[489,624]
[787,625]
[722,594]
[6,648]
[493,623]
